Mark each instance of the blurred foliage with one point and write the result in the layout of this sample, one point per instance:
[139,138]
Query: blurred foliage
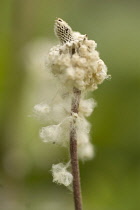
[111,180]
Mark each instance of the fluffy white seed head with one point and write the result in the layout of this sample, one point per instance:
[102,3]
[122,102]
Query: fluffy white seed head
[61,175]
[86,151]
[82,138]
[83,129]
[83,125]
[51,133]
[86,107]
[58,134]
[76,62]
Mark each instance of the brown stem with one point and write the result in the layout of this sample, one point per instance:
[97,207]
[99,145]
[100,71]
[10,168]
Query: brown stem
[73,152]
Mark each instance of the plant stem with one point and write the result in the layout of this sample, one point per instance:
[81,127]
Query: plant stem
[73,151]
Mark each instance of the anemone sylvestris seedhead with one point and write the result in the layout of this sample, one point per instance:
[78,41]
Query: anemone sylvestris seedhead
[75,61]
[77,67]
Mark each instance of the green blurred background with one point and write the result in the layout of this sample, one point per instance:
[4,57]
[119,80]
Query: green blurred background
[112,180]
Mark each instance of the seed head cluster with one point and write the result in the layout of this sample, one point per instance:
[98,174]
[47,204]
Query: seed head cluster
[74,63]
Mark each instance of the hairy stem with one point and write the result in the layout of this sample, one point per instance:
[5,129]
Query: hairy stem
[73,152]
